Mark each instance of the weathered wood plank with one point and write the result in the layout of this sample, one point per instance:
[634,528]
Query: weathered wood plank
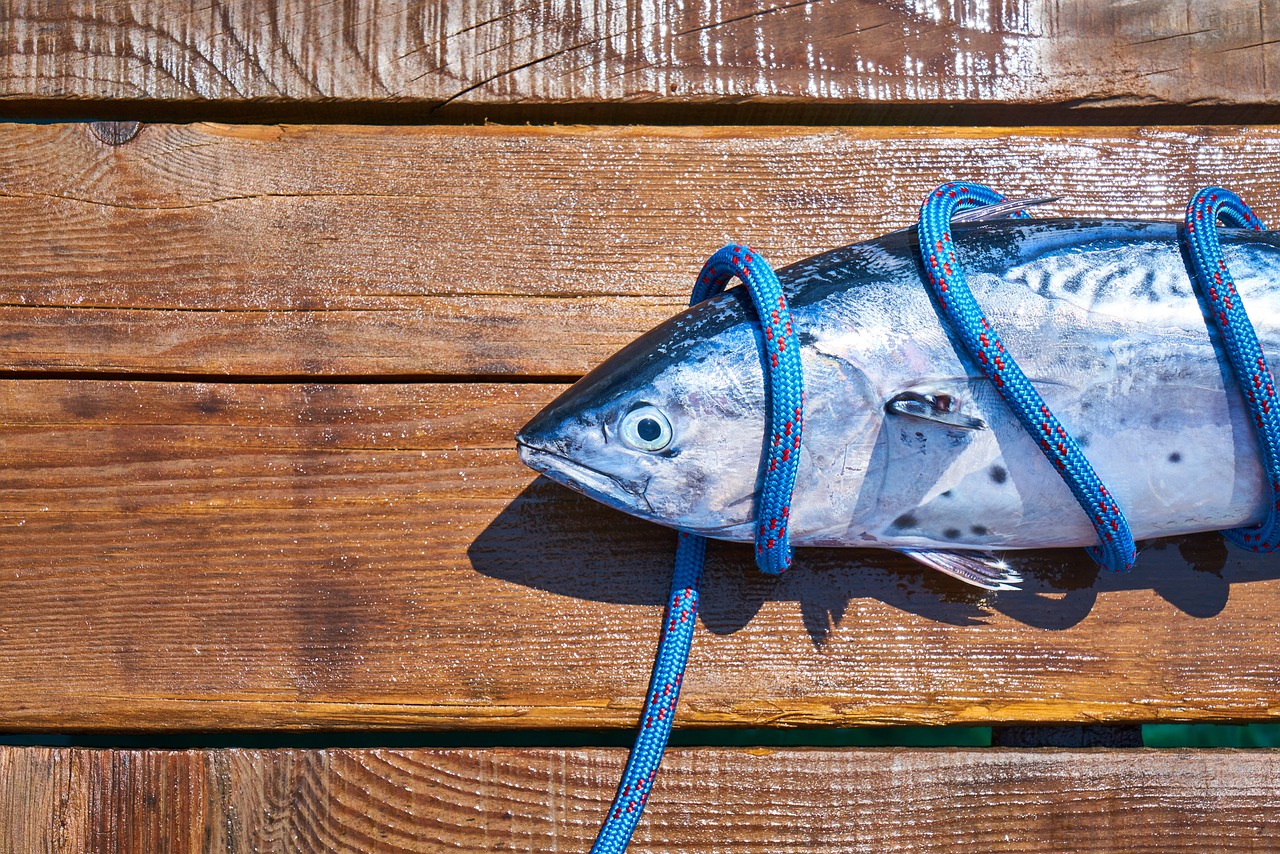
[177,556]
[490,53]
[539,251]
[713,800]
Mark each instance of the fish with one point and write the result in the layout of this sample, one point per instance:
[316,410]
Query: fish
[907,446]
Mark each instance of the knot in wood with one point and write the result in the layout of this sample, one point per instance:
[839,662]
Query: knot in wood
[115,133]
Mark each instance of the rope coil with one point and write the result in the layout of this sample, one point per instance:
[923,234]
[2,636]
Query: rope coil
[1217,292]
[785,385]
[945,278]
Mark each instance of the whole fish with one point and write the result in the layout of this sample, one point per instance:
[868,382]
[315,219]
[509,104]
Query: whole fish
[906,445]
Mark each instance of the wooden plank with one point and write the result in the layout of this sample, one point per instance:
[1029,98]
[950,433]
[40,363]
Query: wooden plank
[489,53]
[239,556]
[713,800]
[215,249]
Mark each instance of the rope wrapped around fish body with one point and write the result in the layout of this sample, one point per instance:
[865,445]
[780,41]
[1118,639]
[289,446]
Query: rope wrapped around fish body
[907,444]
[632,398]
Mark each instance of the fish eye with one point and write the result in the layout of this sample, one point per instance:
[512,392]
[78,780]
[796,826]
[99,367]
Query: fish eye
[645,428]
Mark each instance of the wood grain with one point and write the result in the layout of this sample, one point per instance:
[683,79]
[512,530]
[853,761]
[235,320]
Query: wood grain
[237,556]
[436,53]
[368,251]
[712,800]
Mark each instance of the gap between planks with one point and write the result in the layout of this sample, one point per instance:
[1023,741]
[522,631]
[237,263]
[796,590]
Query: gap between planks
[725,113]
[288,379]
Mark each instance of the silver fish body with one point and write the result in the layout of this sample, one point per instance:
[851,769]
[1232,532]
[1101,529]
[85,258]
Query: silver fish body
[906,446]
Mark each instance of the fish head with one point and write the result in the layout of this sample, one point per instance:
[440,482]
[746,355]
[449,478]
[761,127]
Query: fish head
[669,429]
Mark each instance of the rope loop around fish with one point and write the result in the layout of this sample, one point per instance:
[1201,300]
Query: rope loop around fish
[784,379]
[944,276]
[1217,292]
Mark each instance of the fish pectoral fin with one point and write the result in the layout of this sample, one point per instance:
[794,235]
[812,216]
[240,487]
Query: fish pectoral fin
[1000,210]
[981,569]
[934,405]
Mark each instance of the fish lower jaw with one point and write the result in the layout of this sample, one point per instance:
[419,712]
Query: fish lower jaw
[592,483]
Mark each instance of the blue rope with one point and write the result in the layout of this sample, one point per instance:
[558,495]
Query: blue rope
[785,381]
[960,312]
[946,280]
[660,704]
[786,395]
[1244,354]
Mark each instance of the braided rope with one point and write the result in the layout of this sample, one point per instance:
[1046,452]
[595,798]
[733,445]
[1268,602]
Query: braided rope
[947,284]
[784,378]
[786,395]
[660,703]
[946,280]
[1244,354]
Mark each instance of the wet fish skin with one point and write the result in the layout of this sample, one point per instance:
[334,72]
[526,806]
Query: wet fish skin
[906,446]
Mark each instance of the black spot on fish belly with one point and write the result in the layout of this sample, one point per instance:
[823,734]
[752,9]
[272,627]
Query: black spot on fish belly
[999,474]
[906,520]
[952,533]
[980,530]
[1175,457]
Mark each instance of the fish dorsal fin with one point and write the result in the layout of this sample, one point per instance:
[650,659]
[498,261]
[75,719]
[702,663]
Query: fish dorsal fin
[947,404]
[1000,210]
[981,569]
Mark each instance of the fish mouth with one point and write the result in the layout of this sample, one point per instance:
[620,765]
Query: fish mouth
[606,488]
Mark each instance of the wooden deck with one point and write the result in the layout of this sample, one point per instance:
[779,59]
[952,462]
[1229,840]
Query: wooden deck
[705,800]
[268,328]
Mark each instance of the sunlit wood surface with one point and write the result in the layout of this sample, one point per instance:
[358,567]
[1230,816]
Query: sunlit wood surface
[712,800]
[246,555]
[444,54]
[502,252]
[263,355]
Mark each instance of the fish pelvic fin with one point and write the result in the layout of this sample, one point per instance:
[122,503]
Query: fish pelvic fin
[981,569]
